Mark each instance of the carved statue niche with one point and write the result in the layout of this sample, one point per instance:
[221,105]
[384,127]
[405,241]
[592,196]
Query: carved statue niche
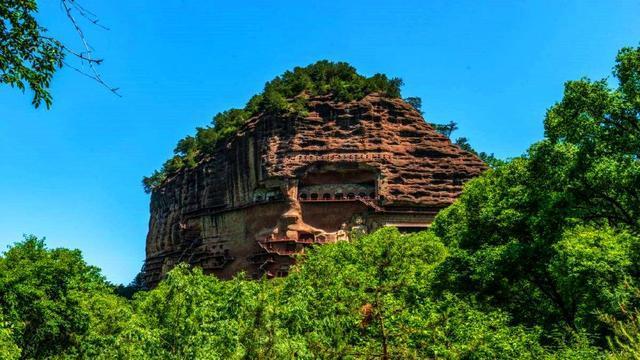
[359,228]
[342,235]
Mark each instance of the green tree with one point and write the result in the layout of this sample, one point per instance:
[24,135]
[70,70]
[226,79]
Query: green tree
[372,299]
[136,285]
[625,342]
[40,296]
[416,102]
[549,236]
[112,328]
[192,315]
[445,129]
[600,127]
[515,245]
[591,268]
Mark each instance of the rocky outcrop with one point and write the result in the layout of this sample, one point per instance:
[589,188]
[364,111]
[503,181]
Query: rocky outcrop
[286,182]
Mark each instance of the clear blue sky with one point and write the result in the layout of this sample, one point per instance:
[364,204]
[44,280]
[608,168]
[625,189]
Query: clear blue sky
[73,173]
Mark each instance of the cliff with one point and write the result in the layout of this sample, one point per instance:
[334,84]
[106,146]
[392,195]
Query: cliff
[285,182]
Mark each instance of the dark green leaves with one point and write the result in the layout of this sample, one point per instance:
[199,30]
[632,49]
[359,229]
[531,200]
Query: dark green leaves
[40,295]
[356,300]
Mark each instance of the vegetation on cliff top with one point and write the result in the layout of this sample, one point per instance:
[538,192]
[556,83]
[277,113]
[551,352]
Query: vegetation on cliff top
[287,93]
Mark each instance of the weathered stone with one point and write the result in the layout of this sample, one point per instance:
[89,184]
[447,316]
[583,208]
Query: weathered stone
[286,182]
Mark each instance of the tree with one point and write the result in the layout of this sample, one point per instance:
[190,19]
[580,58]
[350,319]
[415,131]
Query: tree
[549,236]
[517,246]
[40,295]
[136,285]
[625,342]
[372,298]
[489,159]
[445,129]
[592,268]
[366,299]
[29,57]
[416,102]
[601,128]
[192,315]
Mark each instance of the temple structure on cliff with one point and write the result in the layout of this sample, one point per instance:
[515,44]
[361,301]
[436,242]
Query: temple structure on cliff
[284,183]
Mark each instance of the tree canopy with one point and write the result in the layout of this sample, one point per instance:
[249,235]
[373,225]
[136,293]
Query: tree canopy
[552,236]
[371,298]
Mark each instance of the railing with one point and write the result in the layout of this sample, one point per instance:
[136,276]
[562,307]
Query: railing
[269,241]
[369,201]
[346,198]
[271,245]
[269,248]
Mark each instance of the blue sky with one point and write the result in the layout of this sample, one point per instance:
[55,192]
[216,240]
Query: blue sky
[73,173]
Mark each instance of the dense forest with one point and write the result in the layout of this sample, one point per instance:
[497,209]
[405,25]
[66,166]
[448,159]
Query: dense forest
[538,258]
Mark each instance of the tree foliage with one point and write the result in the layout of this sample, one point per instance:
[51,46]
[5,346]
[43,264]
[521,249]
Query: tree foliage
[28,58]
[416,102]
[626,340]
[552,237]
[489,159]
[41,292]
[371,298]
[9,350]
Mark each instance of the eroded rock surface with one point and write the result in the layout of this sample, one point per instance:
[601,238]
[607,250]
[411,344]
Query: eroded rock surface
[284,183]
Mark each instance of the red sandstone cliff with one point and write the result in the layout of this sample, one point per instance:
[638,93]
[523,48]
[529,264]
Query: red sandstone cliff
[215,214]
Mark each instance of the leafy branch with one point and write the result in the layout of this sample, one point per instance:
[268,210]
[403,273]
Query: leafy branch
[29,57]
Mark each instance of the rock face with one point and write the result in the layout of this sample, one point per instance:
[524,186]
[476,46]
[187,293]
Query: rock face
[285,183]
